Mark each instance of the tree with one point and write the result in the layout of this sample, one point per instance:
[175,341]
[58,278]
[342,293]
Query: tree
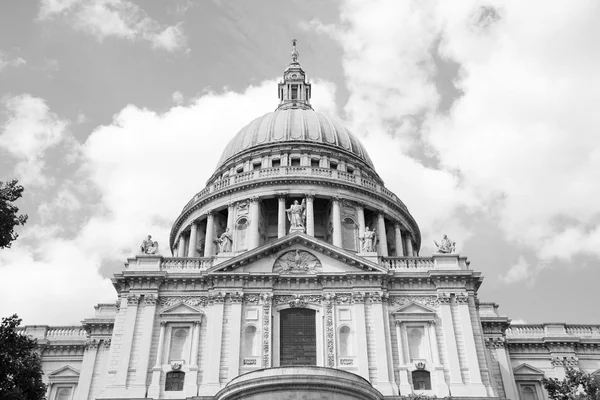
[9,193]
[20,365]
[577,385]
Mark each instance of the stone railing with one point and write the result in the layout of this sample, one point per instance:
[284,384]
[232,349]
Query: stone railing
[421,263]
[290,171]
[65,332]
[186,264]
[407,263]
[552,329]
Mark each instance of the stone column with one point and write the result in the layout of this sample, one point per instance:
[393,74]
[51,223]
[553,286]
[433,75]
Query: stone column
[214,325]
[476,386]
[384,385]
[404,384]
[382,244]
[408,245]
[235,326]
[126,341]
[145,340]
[154,389]
[230,216]
[506,371]
[253,232]
[337,222]
[398,240]
[361,335]
[193,239]
[360,215]
[441,389]
[210,232]
[191,378]
[310,214]
[181,245]
[456,383]
[87,369]
[281,218]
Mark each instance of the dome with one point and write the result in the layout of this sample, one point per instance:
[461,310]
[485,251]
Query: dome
[294,125]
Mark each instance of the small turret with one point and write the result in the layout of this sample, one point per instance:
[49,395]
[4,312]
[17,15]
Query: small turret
[294,91]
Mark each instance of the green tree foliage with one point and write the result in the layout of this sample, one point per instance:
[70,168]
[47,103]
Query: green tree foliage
[9,193]
[577,385]
[20,365]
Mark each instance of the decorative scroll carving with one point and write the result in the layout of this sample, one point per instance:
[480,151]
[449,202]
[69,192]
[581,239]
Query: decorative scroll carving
[344,298]
[92,344]
[133,299]
[106,343]
[444,298]
[218,298]
[194,301]
[462,298]
[251,298]
[235,297]
[242,207]
[377,297]
[150,299]
[495,342]
[430,301]
[358,297]
[297,300]
[567,362]
[329,299]
[297,262]
[249,361]
[267,299]
[346,361]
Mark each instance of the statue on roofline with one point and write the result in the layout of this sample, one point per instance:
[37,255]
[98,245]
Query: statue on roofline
[297,215]
[446,246]
[225,241]
[367,241]
[149,246]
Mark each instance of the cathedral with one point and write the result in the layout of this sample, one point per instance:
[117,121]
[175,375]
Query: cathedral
[296,274]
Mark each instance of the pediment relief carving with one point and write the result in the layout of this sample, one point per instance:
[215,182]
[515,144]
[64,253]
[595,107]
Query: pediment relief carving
[297,262]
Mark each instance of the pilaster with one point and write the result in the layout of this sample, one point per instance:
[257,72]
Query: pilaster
[87,369]
[384,383]
[361,335]
[145,331]
[404,384]
[476,387]
[456,383]
[214,325]
[154,389]
[235,326]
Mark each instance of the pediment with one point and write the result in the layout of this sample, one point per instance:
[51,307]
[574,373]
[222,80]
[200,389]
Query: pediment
[526,369]
[414,311]
[298,254]
[180,309]
[66,371]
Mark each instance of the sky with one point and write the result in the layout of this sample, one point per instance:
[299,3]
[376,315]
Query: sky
[481,116]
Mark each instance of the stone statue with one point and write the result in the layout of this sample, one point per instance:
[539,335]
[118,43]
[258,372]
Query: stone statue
[296,215]
[225,242]
[367,241]
[149,246]
[446,245]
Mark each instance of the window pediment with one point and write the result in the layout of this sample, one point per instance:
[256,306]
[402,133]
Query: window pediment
[414,312]
[526,371]
[181,311]
[66,374]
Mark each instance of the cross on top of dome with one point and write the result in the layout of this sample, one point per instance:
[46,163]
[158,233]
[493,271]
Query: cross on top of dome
[294,91]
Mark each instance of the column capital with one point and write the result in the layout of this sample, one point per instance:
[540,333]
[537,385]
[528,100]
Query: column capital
[309,196]
[210,213]
[444,298]
[231,204]
[163,323]
[380,215]
[133,299]
[359,204]
[397,226]
[197,322]
[282,196]
[462,297]
[336,199]
[150,299]
[254,199]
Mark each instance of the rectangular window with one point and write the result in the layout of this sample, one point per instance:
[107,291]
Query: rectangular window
[179,347]
[63,393]
[298,337]
[294,92]
[295,162]
[276,163]
[314,162]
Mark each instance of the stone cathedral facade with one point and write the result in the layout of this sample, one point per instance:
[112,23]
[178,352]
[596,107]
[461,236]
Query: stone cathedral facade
[296,274]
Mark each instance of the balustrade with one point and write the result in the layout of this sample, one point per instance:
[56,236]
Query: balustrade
[291,171]
[185,264]
[407,263]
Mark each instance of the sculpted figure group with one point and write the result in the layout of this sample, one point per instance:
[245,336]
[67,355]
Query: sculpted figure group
[446,245]
[149,246]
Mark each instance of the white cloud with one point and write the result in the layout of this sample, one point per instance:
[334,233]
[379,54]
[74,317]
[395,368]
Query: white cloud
[114,18]
[522,142]
[28,131]
[177,97]
[521,271]
[6,61]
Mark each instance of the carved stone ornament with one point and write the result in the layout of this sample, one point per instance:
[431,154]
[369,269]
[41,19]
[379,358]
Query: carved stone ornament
[420,365]
[133,299]
[176,366]
[297,300]
[297,262]
[149,246]
[150,299]
[429,301]
[92,344]
[444,298]
[446,246]
[194,301]
[242,207]
[495,342]
[266,342]
[462,298]
[329,338]
[251,298]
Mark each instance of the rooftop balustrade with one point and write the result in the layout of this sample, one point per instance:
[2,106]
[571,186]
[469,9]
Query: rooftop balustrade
[552,329]
[294,171]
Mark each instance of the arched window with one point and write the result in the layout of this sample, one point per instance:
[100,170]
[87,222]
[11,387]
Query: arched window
[421,380]
[345,342]
[250,347]
[415,336]
[174,381]
[178,344]
[63,393]
[528,393]
[240,235]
